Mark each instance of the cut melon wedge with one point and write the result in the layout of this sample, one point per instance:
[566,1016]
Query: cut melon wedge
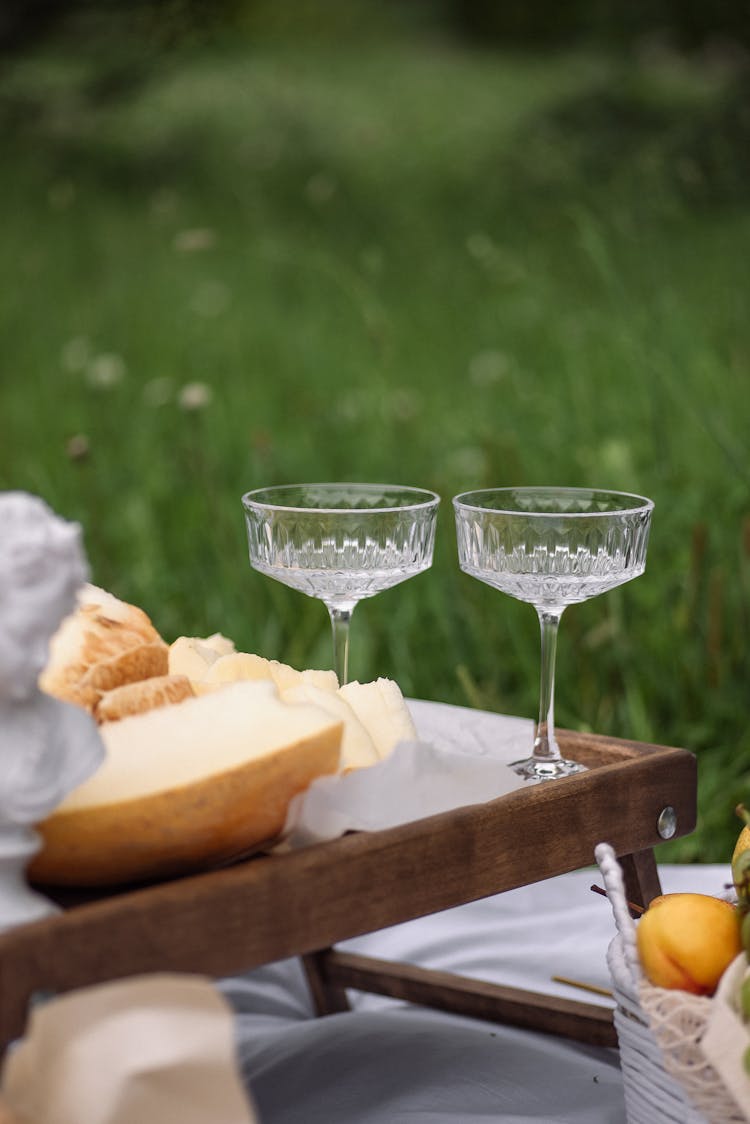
[381,709]
[187,786]
[357,747]
[237,666]
[285,677]
[245,665]
[191,656]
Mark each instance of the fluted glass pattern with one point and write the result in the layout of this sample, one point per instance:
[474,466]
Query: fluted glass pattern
[341,542]
[552,547]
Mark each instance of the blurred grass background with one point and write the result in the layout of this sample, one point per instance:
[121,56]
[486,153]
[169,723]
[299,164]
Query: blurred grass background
[249,243]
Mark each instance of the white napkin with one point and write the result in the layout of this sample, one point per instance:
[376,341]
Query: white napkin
[156,1049]
[462,757]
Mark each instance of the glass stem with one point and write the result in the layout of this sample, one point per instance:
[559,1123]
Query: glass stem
[341,615]
[545,743]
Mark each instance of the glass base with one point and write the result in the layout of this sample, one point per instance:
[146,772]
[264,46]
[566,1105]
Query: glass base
[546,769]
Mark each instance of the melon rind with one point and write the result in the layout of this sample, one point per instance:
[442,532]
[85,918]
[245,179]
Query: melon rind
[131,822]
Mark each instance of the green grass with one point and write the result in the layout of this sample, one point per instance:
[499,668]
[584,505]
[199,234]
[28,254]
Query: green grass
[421,265]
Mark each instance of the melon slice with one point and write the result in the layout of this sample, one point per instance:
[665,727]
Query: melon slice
[220,644]
[381,709]
[244,665]
[237,666]
[191,656]
[357,747]
[285,676]
[187,786]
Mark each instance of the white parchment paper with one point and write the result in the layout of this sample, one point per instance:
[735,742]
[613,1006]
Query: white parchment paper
[462,757]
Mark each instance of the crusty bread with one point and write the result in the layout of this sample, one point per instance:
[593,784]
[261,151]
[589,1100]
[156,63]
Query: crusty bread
[143,695]
[104,643]
[114,609]
[79,694]
[130,666]
[187,786]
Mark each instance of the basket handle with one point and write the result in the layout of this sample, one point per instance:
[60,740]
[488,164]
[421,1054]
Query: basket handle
[615,887]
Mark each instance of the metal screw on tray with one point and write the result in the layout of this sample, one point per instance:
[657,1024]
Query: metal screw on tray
[47,747]
[551,547]
[666,824]
[341,543]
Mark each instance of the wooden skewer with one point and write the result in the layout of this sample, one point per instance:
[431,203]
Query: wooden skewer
[583,986]
[631,905]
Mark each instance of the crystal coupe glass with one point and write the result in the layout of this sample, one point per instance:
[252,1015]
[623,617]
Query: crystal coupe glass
[341,543]
[551,547]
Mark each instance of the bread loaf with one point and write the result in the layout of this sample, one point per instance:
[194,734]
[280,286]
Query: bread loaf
[143,695]
[103,644]
[187,786]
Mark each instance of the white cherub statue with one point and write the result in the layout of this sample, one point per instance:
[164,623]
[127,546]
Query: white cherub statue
[47,747]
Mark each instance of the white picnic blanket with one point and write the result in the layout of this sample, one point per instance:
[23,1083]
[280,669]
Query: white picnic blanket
[388,1063]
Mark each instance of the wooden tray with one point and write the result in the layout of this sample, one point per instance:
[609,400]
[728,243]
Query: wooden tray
[300,904]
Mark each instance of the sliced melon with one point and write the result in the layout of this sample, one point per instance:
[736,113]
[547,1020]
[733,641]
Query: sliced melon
[191,656]
[285,676]
[221,644]
[382,711]
[244,665]
[357,747]
[187,786]
[237,666]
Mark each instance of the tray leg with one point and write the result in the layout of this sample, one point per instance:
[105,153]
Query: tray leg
[444,991]
[328,998]
[330,972]
[641,877]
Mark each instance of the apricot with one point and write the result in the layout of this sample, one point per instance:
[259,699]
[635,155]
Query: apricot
[687,941]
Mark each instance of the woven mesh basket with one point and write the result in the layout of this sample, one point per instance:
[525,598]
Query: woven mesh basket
[666,1077]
